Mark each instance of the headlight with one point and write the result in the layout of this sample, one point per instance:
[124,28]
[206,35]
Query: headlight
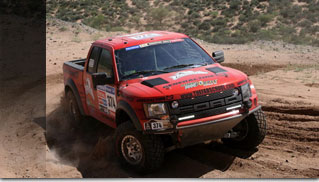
[246,92]
[235,92]
[155,110]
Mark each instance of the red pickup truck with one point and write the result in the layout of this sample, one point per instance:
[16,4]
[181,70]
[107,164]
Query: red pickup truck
[161,91]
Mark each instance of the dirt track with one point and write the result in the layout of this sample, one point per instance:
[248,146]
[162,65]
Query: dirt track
[288,94]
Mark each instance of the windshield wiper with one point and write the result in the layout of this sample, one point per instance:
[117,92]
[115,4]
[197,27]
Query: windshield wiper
[179,66]
[185,65]
[144,72]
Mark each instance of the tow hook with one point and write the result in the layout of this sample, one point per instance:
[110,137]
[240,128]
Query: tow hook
[231,134]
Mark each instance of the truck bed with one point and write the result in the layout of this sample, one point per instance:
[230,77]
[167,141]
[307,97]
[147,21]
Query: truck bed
[77,64]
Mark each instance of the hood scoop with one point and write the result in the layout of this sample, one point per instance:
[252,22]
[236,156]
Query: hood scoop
[216,70]
[154,82]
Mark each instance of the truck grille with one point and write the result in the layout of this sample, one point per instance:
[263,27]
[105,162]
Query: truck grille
[207,105]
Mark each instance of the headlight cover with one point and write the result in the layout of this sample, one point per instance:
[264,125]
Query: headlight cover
[246,92]
[155,110]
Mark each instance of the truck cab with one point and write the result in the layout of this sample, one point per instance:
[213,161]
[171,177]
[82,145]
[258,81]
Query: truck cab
[160,91]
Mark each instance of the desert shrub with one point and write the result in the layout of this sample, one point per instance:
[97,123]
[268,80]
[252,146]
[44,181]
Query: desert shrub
[195,15]
[235,5]
[214,14]
[305,23]
[196,23]
[115,29]
[242,18]
[285,30]
[157,16]
[313,29]
[95,22]
[254,26]
[224,38]
[140,4]
[184,25]
[217,28]
[264,19]
[315,42]
[290,11]
[63,28]
[267,35]
[205,25]
[219,22]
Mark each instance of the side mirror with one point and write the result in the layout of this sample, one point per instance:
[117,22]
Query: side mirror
[218,56]
[101,79]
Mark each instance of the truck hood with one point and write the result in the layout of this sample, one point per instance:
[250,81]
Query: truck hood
[176,85]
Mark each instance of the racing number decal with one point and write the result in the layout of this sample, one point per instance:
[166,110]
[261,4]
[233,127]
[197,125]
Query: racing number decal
[111,102]
[157,125]
[107,100]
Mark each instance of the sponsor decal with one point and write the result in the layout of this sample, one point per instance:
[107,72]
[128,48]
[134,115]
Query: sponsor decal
[144,36]
[131,48]
[199,83]
[91,63]
[186,81]
[104,109]
[103,102]
[128,35]
[153,43]
[206,91]
[186,73]
[88,88]
[177,40]
[101,94]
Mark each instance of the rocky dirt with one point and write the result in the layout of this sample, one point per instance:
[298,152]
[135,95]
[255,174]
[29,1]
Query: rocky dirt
[286,78]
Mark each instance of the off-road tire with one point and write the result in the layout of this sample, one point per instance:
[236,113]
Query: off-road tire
[73,110]
[152,148]
[257,128]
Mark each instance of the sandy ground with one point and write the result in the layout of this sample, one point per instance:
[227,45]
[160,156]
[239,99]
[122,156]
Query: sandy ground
[286,78]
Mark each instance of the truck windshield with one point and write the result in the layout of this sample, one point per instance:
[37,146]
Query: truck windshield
[159,57]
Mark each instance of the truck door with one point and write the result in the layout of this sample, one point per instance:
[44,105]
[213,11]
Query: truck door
[101,99]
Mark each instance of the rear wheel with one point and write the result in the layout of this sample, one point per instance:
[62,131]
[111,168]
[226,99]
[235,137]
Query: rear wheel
[143,153]
[73,109]
[251,131]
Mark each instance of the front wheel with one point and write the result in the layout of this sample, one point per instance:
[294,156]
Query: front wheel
[144,153]
[251,131]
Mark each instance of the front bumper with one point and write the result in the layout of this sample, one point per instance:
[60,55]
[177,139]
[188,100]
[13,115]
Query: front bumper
[216,129]
[209,130]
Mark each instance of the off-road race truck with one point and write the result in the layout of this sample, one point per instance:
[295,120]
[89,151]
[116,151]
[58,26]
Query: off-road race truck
[161,91]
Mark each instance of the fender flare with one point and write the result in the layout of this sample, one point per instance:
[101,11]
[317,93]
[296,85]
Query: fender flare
[70,83]
[123,105]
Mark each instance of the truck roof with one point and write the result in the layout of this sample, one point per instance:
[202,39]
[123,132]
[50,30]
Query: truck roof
[128,40]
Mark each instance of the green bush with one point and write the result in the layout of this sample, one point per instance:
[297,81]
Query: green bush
[264,19]
[267,35]
[219,22]
[235,4]
[214,14]
[254,26]
[205,25]
[157,16]
[95,22]
[195,15]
